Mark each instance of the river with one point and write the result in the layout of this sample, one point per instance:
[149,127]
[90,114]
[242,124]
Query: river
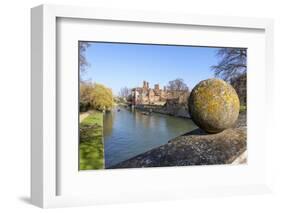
[128,133]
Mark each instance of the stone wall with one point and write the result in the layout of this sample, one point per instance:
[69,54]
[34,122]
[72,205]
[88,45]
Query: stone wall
[174,109]
[196,148]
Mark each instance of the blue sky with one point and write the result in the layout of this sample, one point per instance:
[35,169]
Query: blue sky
[118,65]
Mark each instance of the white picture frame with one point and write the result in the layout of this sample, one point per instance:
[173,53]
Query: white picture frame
[45,173]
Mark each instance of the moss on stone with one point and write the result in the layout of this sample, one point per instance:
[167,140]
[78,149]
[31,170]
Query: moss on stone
[214,105]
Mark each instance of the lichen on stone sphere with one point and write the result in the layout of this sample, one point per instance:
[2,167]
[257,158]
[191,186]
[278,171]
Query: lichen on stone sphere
[214,105]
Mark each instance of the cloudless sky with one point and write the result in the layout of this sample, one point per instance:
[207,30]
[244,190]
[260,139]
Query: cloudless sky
[117,65]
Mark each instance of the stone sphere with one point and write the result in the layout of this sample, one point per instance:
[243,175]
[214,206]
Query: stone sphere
[214,105]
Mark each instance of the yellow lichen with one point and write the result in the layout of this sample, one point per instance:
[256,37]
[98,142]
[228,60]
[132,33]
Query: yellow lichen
[214,105]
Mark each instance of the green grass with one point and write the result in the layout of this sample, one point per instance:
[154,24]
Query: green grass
[91,142]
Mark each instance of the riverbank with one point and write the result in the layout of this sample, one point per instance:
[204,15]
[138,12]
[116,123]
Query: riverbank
[84,115]
[91,147]
[177,110]
[195,148]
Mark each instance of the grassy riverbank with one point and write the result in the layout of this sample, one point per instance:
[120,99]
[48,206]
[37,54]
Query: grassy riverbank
[91,142]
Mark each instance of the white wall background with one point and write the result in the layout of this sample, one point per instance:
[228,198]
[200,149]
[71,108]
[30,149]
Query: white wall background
[15,103]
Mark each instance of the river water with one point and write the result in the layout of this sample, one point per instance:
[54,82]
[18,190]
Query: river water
[128,133]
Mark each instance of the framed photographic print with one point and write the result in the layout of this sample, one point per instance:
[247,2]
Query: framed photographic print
[130,106]
[121,114]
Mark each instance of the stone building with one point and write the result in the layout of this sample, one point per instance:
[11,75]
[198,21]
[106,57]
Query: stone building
[157,96]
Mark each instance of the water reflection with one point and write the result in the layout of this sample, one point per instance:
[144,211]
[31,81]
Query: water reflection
[108,119]
[128,133]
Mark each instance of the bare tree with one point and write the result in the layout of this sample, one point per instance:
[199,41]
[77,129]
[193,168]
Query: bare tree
[232,64]
[232,67]
[124,92]
[83,63]
[177,84]
[240,85]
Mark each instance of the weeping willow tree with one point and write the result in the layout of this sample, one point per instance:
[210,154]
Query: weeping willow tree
[232,67]
[95,96]
[101,97]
